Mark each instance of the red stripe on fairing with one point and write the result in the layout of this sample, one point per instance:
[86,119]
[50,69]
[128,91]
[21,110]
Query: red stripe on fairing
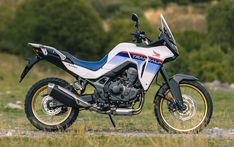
[139,54]
[160,60]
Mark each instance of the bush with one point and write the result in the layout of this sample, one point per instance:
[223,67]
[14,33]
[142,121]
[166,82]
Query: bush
[208,64]
[73,26]
[211,63]
[181,64]
[220,23]
[191,40]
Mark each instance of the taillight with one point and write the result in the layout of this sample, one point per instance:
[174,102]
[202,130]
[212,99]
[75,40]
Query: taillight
[35,51]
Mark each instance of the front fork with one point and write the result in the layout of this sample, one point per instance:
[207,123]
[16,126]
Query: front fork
[174,88]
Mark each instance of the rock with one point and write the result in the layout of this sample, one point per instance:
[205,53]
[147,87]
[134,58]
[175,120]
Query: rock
[9,133]
[18,102]
[217,85]
[232,86]
[13,106]
[225,85]
[216,128]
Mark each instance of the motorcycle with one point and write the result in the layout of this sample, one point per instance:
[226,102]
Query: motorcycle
[120,80]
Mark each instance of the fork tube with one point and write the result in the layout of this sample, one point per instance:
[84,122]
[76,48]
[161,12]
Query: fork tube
[174,88]
[164,75]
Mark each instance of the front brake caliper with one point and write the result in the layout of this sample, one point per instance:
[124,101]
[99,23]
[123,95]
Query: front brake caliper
[171,106]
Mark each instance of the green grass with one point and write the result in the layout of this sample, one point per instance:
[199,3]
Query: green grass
[11,91]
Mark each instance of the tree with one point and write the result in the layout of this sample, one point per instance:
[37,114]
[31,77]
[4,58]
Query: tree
[7,8]
[220,23]
[120,30]
[184,2]
[68,25]
[121,26]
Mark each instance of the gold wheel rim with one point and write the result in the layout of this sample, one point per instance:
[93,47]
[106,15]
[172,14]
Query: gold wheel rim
[203,118]
[35,113]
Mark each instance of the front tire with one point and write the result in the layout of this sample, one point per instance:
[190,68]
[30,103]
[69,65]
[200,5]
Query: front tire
[192,120]
[40,115]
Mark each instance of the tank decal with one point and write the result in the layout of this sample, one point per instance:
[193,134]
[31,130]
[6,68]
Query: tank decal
[140,56]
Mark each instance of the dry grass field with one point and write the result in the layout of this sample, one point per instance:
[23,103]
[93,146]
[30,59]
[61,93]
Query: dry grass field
[180,18]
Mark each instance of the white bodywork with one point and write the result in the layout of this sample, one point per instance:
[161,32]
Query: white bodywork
[158,54]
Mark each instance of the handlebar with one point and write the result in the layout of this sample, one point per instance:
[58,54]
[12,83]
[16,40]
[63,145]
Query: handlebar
[140,37]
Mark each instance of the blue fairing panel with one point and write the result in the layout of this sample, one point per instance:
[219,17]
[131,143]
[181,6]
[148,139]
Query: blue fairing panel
[87,64]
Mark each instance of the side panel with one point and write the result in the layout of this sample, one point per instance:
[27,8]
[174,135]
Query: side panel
[148,61]
[147,67]
[149,73]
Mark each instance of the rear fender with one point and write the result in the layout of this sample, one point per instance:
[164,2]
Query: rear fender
[31,62]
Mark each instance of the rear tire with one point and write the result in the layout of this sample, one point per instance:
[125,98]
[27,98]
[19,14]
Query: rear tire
[196,121]
[31,111]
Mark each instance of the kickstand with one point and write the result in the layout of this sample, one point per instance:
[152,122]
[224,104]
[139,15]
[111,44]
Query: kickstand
[113,123]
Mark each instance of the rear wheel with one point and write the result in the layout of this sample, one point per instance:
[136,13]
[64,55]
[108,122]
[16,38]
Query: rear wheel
[198,110]
[46,113]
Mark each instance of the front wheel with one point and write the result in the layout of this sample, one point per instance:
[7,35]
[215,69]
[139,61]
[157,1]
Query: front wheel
[39,111]
[194,118]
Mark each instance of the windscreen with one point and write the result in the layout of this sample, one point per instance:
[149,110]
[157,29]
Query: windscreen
[165,28]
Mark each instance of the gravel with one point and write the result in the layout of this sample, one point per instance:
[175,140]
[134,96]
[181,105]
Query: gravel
[209,133]
[217,85]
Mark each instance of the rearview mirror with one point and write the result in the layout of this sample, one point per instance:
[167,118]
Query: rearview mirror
[135,19]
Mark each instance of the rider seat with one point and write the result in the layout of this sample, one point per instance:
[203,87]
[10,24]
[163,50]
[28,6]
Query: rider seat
[91,65]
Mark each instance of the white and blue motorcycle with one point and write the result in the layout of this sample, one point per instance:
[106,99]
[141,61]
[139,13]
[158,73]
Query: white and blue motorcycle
[120,81]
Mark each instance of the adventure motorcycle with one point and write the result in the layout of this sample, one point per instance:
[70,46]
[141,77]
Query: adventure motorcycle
[120,80]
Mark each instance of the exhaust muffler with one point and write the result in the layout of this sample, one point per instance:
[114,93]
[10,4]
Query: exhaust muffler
[66,97]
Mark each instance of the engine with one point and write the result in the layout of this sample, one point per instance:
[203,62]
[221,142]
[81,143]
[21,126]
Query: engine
[123,90]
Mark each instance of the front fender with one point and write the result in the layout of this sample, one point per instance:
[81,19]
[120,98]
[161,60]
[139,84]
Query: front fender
[173,85]
[180,77]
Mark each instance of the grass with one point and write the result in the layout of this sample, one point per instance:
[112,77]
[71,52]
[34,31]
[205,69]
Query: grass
[11,91]
[106,141]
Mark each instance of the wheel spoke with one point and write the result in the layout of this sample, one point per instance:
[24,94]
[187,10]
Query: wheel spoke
[190,118]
